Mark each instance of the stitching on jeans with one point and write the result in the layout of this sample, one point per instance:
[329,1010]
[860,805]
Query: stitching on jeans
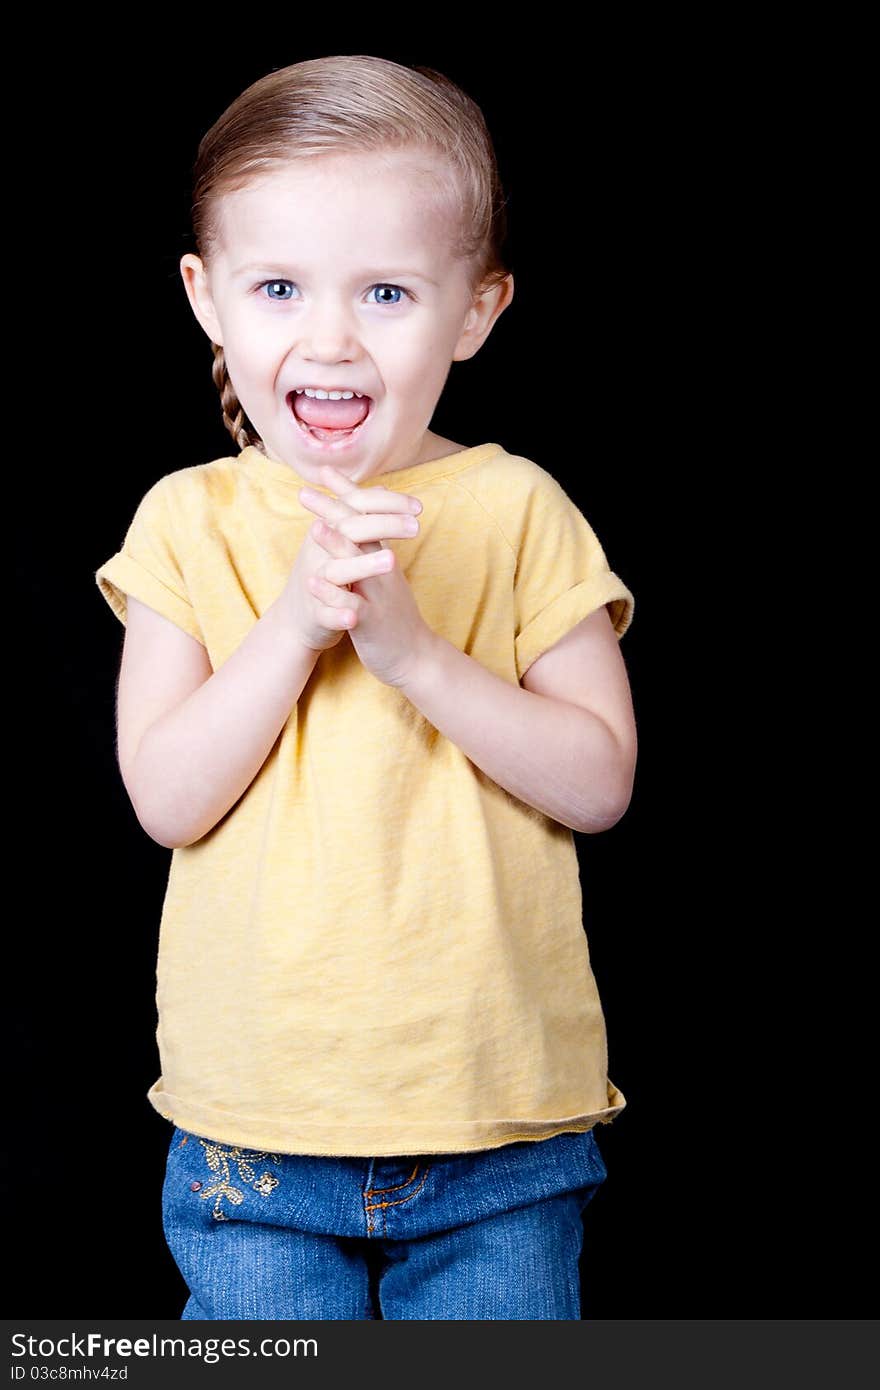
[368,1191]
[371,1206]
[398,1201]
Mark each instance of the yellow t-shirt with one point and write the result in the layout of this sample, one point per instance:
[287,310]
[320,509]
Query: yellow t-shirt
[377,950]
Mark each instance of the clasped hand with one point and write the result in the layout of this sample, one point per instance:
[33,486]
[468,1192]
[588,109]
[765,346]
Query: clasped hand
[389,633]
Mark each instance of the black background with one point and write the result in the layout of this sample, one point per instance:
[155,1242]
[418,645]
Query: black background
[635,206]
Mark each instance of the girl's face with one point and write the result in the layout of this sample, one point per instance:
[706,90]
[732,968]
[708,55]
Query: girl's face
[337,273]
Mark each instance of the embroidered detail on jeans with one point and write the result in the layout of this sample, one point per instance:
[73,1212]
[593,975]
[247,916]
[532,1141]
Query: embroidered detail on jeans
[219,1160]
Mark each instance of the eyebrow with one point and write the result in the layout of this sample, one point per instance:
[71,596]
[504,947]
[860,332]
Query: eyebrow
[263,268]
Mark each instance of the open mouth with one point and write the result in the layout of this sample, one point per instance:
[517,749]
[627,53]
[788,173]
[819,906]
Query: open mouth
[329,438]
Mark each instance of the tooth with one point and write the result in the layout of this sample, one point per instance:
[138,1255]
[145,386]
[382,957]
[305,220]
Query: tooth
[309,390]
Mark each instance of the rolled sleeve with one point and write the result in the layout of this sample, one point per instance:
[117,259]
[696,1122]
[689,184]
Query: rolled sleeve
[567,610]
[149,566]
[562,575]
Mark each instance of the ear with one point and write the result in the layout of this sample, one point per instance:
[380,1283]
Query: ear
[198,291]
[481,317]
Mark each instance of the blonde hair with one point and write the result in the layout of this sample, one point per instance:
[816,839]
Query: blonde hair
[339,106]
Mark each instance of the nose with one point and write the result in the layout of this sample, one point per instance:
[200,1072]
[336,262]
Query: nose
[328,332]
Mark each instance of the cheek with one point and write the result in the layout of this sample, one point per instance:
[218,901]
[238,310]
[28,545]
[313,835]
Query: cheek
[252,351]
[416,361]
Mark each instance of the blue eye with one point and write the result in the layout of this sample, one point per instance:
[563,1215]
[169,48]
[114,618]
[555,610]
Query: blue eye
[273,283]
[398,288]
[391,304]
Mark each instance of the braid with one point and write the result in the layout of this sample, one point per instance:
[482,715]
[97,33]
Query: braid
[233,414]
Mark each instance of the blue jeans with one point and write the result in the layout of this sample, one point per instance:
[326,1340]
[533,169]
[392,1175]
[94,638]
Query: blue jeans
[494,1234]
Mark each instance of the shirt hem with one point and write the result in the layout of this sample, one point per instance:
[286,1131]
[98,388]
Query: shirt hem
[321,1140]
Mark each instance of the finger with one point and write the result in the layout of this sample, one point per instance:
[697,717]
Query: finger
[368,498]
[334,478]
[331,615]
[330,594]
[349,571]
[329,507]
[377,526]
[332,540]
[335,542]
[371,526]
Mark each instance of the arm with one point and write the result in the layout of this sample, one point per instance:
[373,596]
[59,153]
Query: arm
[566,746]
[191,741]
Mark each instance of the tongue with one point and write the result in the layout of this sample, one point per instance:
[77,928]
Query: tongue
[330,415]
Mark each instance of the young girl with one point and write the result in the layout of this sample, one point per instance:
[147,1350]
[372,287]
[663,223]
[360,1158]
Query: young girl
[370,684]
